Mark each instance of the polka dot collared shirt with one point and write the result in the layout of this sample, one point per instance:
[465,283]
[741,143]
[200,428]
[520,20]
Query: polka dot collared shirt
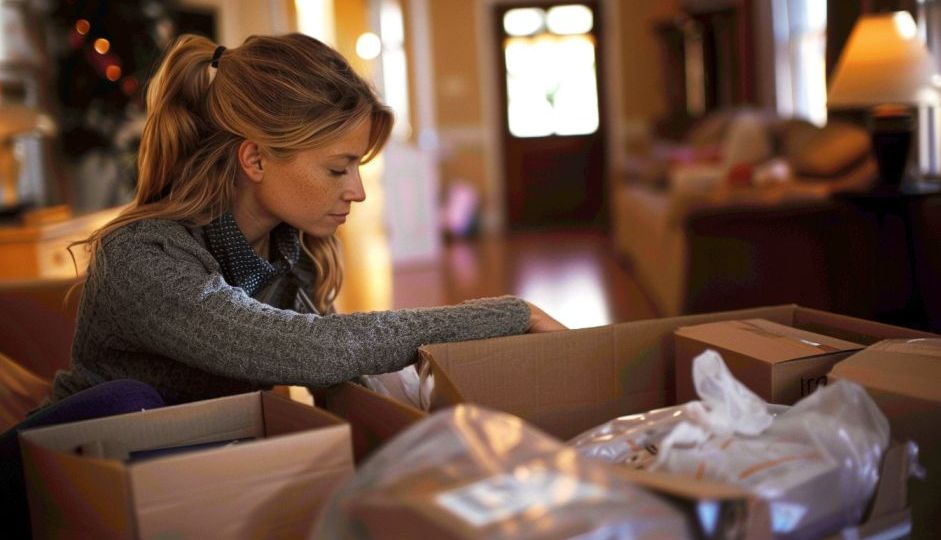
[241,266]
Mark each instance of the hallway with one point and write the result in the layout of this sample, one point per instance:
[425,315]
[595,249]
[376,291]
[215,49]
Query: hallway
[572,275]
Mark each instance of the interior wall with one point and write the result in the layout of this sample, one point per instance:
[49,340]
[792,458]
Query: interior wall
[642,97]
[458,101]
[239,19]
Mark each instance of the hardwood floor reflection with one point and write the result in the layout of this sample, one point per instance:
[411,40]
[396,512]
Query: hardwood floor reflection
[572,275]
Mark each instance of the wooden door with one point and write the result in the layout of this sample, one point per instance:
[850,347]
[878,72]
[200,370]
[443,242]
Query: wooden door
[553,121]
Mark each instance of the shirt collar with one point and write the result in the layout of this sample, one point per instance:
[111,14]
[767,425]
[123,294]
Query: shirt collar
[241,266]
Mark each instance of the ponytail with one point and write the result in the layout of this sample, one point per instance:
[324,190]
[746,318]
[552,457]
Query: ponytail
[176,119]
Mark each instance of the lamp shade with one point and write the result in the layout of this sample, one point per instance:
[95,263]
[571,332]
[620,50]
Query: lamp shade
[884,62]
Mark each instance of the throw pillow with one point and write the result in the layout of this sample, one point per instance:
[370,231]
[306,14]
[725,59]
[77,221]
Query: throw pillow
[831,151]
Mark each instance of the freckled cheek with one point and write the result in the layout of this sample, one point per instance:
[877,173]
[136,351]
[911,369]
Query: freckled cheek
[309,196]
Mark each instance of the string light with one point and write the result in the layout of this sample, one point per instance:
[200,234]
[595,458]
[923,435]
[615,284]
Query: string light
[129,85]
[102,45]
[113,72]
[82,26]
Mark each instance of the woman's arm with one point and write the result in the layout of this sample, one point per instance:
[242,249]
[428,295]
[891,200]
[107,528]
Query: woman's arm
[163,300]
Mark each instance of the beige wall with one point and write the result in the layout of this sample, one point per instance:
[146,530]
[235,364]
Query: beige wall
[458,101]
[455,45]
[238,19]
[641,72]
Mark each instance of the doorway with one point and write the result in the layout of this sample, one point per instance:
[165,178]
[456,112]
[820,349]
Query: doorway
[551,83]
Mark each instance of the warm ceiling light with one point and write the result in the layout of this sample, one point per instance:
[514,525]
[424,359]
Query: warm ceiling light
[368,46]
[102,45]
[82,26]
[113,72]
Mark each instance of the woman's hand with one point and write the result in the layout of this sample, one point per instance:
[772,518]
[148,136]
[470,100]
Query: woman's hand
[540,322]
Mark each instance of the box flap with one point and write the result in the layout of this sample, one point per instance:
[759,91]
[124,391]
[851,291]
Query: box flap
[374,419]
[159,482]
[272,489]
[284,415]
[765,340]
[891,494]
[99,509]
[181,425]
[909,369]
[850,328]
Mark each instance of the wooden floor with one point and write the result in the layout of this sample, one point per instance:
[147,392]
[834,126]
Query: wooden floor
[572,275]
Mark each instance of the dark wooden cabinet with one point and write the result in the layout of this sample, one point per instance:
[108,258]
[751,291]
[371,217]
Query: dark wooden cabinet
[708,61]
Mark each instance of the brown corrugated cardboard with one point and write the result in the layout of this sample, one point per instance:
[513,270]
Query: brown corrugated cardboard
[271,487]
[567,382]
[904,379]
[780,363]
[374,418]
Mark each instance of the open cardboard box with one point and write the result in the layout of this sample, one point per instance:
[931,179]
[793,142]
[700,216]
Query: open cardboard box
[904,379]
[271,484]
[568,382]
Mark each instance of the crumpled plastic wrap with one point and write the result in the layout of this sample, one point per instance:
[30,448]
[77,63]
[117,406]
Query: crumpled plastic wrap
[468,472]
[816,463]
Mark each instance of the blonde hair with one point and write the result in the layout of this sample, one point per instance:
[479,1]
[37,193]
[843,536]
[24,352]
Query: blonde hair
[286,93]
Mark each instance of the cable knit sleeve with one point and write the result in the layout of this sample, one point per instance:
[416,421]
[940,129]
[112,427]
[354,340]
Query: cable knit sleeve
[162,299]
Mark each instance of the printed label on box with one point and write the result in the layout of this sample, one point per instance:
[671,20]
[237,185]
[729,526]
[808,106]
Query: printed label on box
[499,497]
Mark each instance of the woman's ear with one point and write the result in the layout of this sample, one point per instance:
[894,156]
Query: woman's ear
[250,161]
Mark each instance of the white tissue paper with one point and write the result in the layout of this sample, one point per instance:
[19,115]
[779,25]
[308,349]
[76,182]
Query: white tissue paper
[411,385]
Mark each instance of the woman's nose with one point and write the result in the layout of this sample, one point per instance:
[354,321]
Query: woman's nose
[355,192]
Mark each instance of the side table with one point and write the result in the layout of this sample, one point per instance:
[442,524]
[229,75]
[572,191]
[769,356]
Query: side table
[901,215]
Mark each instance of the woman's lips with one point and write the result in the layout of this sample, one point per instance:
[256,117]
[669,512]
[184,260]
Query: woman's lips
[340,218]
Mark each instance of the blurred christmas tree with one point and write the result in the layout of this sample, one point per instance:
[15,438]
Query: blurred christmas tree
[103,52]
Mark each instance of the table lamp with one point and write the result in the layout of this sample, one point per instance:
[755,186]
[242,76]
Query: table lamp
[886,68]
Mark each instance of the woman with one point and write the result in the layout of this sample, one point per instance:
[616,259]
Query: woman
[220,277]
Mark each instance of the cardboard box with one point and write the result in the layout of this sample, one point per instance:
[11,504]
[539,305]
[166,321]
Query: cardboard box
[904,379]
[270,487]
[567,382]
[779,363]
[374,418]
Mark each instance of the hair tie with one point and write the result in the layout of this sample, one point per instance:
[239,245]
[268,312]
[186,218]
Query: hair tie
[216,56]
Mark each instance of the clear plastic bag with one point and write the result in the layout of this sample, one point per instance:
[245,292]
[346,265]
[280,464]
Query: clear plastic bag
[467,472]
[816,463]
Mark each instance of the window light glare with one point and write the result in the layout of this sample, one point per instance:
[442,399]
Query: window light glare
[523,21]
[571,19]
[905,25]
[368,46]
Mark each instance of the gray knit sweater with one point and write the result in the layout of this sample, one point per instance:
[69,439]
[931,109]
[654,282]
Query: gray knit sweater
[156,308]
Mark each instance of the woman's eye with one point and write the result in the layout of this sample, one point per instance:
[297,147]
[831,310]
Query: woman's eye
[335,172]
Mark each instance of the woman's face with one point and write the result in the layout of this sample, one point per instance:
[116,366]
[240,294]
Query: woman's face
[314,190]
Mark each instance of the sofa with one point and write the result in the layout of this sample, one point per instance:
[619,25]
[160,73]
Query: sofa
[740,213]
